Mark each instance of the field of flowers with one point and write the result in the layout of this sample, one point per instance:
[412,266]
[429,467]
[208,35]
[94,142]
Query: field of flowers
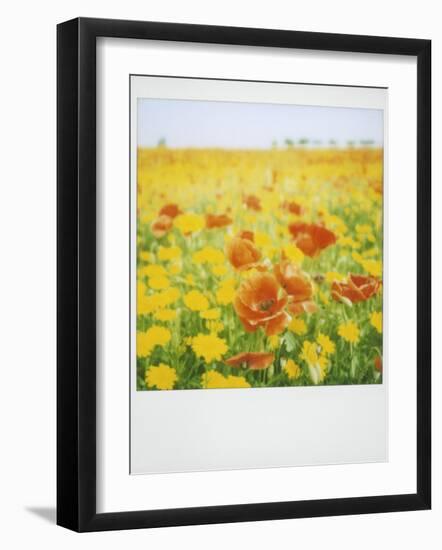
[258,268]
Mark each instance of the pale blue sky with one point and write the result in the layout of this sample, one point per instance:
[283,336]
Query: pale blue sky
[185,123]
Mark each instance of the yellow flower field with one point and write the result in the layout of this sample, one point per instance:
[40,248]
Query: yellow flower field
[258,268]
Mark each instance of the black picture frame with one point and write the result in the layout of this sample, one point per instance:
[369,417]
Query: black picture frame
[76,274]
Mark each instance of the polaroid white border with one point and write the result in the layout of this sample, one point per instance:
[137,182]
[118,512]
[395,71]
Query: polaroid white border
[117,490]
[223,429]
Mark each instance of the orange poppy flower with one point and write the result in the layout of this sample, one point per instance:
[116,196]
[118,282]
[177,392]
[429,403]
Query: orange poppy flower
[311,238]
[298,286]
[292,207]
[357,288]
[259,303]
[171,210]
[217,220]
[252,202]
[245,234]
[258,360]
[242,253]
[161,226]
[378,363]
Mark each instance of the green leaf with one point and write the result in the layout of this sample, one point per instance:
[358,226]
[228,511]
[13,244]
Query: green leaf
[290,342]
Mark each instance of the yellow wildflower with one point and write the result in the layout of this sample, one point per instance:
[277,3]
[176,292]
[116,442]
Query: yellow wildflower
[349,331]
[209,255]
[152,270]
[376,320]
[292,370]
[331,276]
[323,297]
[162,377]
[298,326]
[189,223]
[169,253]
[236,382]
[175,268]
[309,352]
[262,239]
[226,292]
[196,301]
[154,336]
[145,256]
[215,326]
[210,314]
[363,229]
[159,282]
[273,341]
[167,297]
[209,346]
[219,270]
[348,241]
[373,267]
[165,315]
[370,252]
[327,345]
[213,379]
[293,253]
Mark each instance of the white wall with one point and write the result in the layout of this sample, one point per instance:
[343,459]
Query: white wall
[27,292]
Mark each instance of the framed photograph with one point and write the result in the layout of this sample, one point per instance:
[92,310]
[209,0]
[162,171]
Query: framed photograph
[243,274]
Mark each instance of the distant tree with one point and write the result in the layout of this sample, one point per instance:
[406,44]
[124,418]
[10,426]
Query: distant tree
[162,143]
[332,142]
[351,143]
[366,142]
[303,141]
[289,142]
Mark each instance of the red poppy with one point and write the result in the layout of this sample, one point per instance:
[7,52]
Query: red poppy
[357,288]
[259,303]
[245,234]
[217,220]
[242,253]
[378,363]
[311,238]
[252,360]
[298,286]
[161,226]
[252,202]
[292,207]
[171,210]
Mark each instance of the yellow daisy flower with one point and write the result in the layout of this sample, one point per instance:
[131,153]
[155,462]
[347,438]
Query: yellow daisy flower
[159,282]
[209,346]
[210,314]
[209,255]
[226,292]
[292,370]
[327,345]
[169,253]
[165,315]
[349,331]
[161,377]
[152,270]
[376,320]
[196,301]
[298,326]
[154,336]
[293,253]
[189,223]
[219,270]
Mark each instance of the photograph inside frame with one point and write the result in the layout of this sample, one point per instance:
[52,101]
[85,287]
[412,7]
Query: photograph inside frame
[259,245]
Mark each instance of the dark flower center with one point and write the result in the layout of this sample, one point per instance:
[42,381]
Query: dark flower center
[266,305]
